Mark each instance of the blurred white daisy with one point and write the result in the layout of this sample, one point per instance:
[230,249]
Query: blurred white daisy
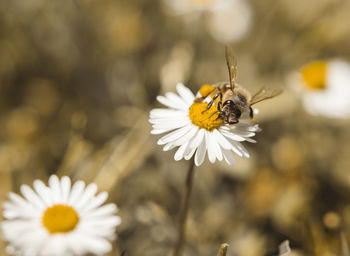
[226,20]
[59,219]
[325,88]
[196,131]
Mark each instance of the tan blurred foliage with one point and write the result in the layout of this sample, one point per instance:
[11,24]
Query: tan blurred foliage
[77,80]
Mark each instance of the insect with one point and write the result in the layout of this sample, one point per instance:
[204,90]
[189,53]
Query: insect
[233,101]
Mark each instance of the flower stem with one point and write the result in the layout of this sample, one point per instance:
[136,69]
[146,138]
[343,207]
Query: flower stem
[223,250]
[181,237]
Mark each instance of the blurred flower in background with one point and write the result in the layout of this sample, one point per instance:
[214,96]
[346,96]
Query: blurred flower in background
[325,88]
[59,219]
[226,20]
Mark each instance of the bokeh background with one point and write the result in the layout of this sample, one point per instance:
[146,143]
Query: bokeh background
[77,81]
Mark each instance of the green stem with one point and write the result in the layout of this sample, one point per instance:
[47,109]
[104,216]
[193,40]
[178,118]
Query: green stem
[181,236]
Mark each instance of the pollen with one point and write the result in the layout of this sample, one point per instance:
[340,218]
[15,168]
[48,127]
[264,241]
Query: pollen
[314,75]
[60,219]
[203,117]
[205,90]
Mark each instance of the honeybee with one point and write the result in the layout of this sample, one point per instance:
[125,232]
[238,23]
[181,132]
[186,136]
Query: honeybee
[233,102]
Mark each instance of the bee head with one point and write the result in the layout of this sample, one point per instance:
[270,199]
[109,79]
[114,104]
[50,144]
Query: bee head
[230,112]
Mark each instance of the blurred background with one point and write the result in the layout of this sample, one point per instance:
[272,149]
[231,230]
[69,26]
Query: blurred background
[77,82]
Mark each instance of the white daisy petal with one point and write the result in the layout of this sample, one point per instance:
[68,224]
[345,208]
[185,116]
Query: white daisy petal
[176,99]
[180,152]
[210,147]
[77,190]
[168,147]
[160,113]
[96,202]
[221,140]
[189,153]
[160,131]
[65,188]
[188,136]
[200,154]
[217,148]
[228,156]
[43,191]
[185,93]
[102,211]
[55,186]
[88,194]
[174,135]
[33,225]
[169,103]
[31,197]
[197,139]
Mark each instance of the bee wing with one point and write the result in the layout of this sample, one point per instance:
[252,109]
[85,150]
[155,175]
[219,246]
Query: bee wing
[264,94]
[231,65]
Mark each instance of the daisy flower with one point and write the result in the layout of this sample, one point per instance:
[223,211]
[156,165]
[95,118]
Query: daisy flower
[325,88]
[196,131]
[226,20]
[59,219]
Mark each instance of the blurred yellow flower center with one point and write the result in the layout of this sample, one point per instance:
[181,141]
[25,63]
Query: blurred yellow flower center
[60,219]
[203,117]
[314,75]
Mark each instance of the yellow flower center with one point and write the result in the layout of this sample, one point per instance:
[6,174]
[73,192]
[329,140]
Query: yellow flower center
[60,219]
[314,75]
[204,118]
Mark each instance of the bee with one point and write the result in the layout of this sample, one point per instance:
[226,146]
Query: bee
[233,102]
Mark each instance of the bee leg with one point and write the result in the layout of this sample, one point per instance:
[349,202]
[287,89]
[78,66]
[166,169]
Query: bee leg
[212,101]
[233,122]
[213,114]
[219,105]
[209,106]
[251,113]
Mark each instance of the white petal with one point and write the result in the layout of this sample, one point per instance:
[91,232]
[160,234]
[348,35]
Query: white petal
[171,124]
[228,156]
[55,186]
[187,137]
[185,93]
[210,147]
[77,190]
[174,135]
[180,152]
[95,245]
[239,149]
[178,100]
[65,188]
[104,210]
[168,147]
[222,140]
[96,202]
[32,197]
[197,139]
[43,191]
[217,148]
[200,154]
[164,113]
[160,131]
[88,195]
[189,153]
[171,104]
[231,135]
